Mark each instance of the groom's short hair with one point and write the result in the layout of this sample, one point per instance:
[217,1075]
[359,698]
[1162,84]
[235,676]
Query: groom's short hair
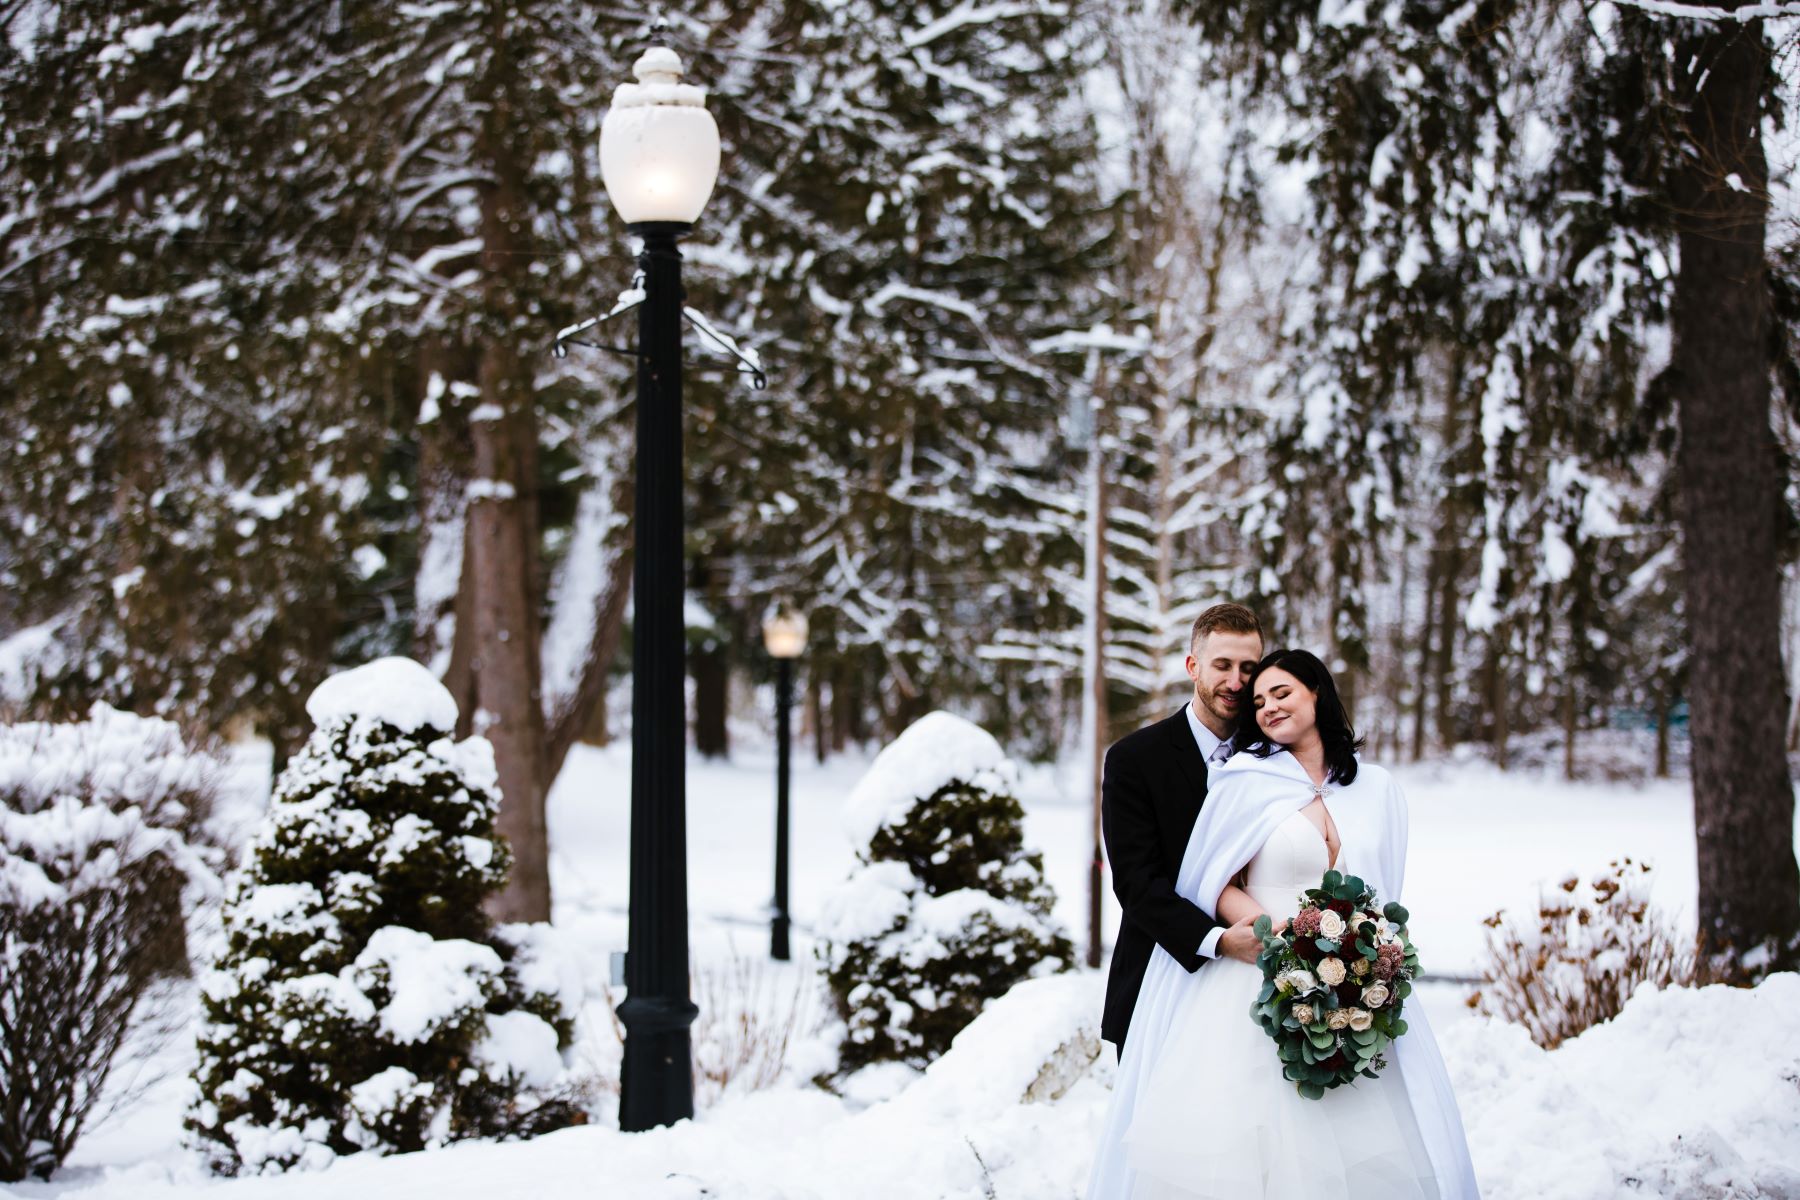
[1232,618]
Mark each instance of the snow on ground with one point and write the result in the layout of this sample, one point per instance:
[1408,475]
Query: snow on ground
[1689,1094]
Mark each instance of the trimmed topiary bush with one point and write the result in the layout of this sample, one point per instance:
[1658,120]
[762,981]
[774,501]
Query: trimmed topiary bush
[365,1001]
[948,909]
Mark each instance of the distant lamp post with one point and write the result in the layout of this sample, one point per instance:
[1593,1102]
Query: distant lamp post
[659,157]
[784,635]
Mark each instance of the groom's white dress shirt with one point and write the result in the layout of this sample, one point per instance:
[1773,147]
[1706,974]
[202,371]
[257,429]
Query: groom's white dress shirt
[1214,750]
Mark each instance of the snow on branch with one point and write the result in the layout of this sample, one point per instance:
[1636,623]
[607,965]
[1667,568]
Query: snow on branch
[1100,337]
[943,300]
[977,14]
[1710,12]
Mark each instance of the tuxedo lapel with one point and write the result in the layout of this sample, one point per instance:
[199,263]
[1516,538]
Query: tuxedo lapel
[1186,753]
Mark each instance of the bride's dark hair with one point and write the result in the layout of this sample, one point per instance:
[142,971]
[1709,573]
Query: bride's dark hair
[1341,742]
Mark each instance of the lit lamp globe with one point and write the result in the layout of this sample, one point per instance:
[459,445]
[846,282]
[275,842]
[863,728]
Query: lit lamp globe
[659,147]
[784,635]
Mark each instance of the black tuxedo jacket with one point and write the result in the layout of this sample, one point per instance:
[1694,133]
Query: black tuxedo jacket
[1151,790]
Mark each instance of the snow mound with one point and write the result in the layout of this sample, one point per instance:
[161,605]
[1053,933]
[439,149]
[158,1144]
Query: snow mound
[520,1044]
[936,749]
[1029,1045]
[395,690]
[1688,1093]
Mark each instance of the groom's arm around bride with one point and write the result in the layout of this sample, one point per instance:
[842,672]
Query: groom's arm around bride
[1152,788]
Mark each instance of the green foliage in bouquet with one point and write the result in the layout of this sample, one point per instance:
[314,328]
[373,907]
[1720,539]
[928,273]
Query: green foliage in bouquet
[1334,984]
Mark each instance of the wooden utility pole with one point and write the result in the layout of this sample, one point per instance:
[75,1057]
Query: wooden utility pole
[1093,701]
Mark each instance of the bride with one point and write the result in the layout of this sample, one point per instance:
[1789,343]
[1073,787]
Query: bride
[1200,1109]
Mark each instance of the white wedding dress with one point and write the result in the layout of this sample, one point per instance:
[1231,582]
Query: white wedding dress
[1200,1108]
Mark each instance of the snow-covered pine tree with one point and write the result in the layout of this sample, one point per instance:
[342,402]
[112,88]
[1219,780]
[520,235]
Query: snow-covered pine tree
[364,1000]
[182,481]
[920,208]
[948,908]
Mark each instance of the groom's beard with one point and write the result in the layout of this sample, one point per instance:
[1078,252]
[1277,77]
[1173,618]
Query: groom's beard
[1228,715]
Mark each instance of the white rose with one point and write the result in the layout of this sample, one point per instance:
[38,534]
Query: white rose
[1358,920]
[1332,972]
[1361,1019]
[1304,1014]
[1359,967]
[1298,981]
[1375,995]
[1331,925]
[1338,1018]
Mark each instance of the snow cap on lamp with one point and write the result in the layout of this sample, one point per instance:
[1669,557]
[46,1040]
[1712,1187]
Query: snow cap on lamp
[659,147]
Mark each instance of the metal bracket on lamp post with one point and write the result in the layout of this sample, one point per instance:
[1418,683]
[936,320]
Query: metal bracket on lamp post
[565,338]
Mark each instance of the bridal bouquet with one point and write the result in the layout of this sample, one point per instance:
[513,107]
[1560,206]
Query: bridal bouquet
[1334,982]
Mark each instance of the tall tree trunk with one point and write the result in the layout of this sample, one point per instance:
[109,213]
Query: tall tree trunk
[1664,703]
[1499,700]
[504,614]
[1730,505]
[815,709]
[502,560]
[1444,671]
[840,706]
[711,670]
[1422,696]
[712,680]
[1568,715]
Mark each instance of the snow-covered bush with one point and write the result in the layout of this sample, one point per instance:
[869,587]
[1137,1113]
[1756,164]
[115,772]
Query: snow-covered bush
[364,1000]
[948,909]
[96,819]
[1588,951]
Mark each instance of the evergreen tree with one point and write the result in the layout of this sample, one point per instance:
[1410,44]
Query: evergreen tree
[1530,256]
[924,207]
[948,908]
[364,1000]
[184,488]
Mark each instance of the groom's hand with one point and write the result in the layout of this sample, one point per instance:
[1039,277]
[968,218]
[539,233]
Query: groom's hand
[1240,942]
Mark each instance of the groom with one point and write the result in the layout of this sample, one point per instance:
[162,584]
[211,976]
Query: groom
[1151,791]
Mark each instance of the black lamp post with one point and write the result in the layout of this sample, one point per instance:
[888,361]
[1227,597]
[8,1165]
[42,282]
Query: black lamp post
[784,635]
[659,155]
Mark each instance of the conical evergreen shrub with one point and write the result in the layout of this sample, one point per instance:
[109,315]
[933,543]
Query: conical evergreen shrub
[948,908]
[364,1000]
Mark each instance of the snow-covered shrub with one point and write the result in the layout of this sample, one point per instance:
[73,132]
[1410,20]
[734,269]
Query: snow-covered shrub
[948,909]
[365,1001]
[96,818]
[1591,947]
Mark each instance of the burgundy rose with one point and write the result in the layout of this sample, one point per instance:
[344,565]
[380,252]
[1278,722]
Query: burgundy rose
[1342,908]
